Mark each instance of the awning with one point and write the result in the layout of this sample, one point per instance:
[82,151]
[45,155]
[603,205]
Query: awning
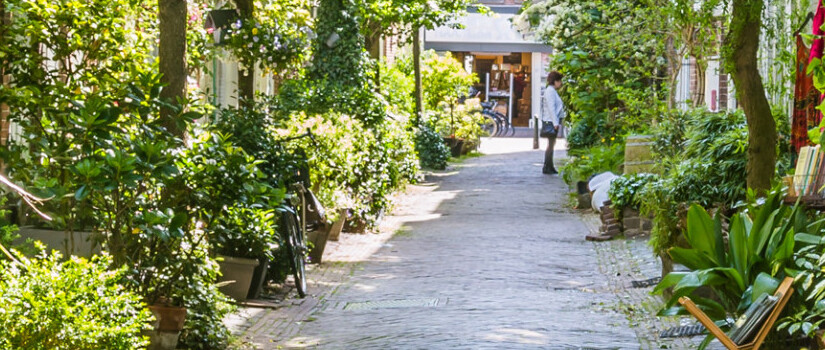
[482,33]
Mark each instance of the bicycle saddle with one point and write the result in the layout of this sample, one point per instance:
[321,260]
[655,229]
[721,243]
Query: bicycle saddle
[487,105]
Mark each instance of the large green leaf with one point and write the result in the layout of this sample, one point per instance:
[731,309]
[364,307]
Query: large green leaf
[733,279]
[710,307]
[691,258]
[670,280]
[763,212]
[760,233]
[738,243]
[763,283]
[700,278]
[783,253]
[701,234]
[807,238]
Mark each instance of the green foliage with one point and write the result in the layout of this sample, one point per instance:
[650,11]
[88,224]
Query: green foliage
[431,148]
[8,231]
[206,306]
[706,168]
[443,79]
[403,17]
[760,245]
[351,168]
[462,121]
[61,106]
[398,85]
[276,38]
[624,190]
[584,164]
[341,77]
[109,164]
[76,304]
[231,197]
[608,91]
[670,133]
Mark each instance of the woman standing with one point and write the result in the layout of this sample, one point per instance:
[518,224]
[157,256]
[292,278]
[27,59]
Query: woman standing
[552,110]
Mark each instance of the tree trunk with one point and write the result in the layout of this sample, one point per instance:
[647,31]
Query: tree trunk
[701,80]
[674,65]
[419,94]
[742,44]
[246,75]
[172,57]
[5,20]
[372,42]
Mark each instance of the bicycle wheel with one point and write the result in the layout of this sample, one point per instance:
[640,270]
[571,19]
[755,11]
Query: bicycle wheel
[296,249]
[507,128]
[489,125]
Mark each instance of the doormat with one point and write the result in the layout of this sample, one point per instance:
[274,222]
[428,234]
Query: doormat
[683,331]
[646,283]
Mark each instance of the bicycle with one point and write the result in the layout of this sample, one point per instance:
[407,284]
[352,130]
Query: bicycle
[502,125]
[491,124]
[301,203]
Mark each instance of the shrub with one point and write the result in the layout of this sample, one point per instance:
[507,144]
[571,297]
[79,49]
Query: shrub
[443,79]
[624,190]
[463,121]
[707,168]
[74,304]
[206,306]
[230,197]
[584,164]
[431,149]
[352,165]
[752,261]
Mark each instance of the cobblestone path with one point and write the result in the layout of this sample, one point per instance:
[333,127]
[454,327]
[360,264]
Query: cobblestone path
[486,256]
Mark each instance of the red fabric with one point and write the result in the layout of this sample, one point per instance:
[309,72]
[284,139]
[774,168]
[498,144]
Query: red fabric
[806,98]
[818,43]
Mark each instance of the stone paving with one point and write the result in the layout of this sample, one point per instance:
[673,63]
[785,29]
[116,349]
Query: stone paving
[485,255]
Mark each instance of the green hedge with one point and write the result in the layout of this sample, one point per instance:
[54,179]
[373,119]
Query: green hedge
[76,304]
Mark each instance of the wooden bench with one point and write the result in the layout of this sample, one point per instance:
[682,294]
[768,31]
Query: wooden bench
[784,289]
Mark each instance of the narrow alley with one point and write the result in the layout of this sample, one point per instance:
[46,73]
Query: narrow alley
[487,255]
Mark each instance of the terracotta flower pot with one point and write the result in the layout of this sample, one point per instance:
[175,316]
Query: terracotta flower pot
[168,318]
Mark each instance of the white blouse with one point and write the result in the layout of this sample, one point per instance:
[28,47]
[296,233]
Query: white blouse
[552,108]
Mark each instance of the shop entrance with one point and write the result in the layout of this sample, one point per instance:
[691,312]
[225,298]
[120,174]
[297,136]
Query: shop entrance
[505,79]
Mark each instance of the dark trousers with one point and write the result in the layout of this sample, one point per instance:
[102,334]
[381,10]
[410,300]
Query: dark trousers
[548,156]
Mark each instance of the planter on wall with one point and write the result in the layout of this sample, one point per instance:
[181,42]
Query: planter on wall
[79,243]
[239,271]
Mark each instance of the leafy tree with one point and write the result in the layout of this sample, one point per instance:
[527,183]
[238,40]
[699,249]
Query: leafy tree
[404,17]
[612,59]
[740,53]
[340,77]
[172,56]
[690,29]
[444,79]
[273,35]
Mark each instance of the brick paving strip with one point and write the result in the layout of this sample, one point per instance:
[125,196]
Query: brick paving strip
[259,328]
[356,268]
[624,261]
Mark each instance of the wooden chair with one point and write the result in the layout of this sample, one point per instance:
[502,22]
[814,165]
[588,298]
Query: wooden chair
[784,288]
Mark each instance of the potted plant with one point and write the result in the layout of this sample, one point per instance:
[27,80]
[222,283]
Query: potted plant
[235,206]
